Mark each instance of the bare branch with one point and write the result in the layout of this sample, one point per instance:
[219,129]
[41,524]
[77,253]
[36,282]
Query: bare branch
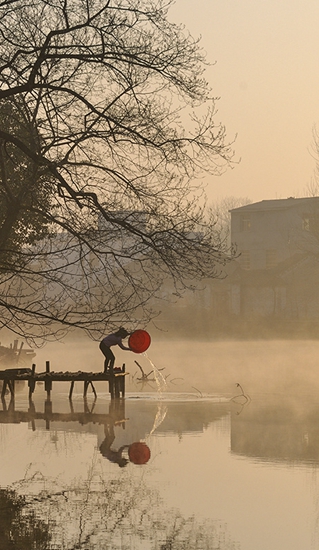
[107,126]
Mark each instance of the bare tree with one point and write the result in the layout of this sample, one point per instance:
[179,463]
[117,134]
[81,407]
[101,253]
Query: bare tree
[219,213]
[312,189]
[123,124]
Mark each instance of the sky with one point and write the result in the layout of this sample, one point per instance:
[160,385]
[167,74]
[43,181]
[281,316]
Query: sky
[265,69]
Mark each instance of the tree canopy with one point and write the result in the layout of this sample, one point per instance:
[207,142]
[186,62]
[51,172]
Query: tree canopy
[24,185]
[107,125]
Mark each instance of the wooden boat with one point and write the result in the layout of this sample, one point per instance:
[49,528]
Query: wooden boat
[15,355]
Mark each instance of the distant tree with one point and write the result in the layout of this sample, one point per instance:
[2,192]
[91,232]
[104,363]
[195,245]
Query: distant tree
[307,238]
[112,123]
[219,213]
[312,189]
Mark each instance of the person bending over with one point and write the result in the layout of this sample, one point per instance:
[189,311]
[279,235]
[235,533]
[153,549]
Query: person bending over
[114,339]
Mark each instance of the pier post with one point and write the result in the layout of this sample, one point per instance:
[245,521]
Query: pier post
[111,383]
[123,380]
[93,389]
[31,381]
[71,389]
[48,381]
[32,412]
[11,384]
[118,384]
[4,387]
[47,412]
[48,388]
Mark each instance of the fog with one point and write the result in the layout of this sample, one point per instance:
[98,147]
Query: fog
[283,367]
[233,439]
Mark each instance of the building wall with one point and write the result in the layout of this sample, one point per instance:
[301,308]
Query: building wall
[268,234]
[302,290]
[263,301]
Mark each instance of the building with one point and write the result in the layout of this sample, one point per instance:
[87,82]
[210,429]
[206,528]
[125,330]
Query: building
[277,242]
[271,231]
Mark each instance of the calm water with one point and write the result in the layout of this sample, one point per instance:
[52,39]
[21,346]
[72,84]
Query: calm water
[233,441]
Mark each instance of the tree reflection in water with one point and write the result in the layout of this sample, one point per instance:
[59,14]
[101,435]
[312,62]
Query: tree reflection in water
[117,514]
[100,509]
[20,529]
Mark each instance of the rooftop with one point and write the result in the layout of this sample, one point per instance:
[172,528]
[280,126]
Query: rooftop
[275,204]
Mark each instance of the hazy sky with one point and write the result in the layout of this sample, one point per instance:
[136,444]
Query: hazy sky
[267,77]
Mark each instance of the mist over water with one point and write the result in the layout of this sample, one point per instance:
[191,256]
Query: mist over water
[277,367]
[232,429]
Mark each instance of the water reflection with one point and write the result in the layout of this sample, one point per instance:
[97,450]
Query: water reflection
[20,528]
[130,419]
[277,429]
[198,466]
[136,452]
[89,502]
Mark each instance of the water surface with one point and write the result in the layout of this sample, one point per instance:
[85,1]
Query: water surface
[233,440]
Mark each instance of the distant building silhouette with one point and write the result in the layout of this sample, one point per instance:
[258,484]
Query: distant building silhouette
[271,287]
[278,246]
[271,231]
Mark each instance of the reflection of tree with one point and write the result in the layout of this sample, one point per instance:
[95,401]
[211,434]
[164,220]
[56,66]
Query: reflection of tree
[121,513]
[185,533]
[20,529]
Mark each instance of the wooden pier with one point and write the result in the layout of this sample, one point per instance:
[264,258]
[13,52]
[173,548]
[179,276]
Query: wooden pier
[115,379]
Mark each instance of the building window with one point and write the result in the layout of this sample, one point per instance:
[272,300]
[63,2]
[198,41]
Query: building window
[271,258]
[245,222]
[245,259]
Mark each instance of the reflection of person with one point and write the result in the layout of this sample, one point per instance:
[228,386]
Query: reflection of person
[138,452]
[114,339]
[111,454]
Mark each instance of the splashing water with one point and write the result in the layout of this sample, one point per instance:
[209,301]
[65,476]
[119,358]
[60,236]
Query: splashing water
[160,415]
[159,378]
[161,386]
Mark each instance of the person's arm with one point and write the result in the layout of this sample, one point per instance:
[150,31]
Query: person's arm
[124,347]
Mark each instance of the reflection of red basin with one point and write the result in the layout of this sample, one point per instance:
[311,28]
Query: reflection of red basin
[139,453]
[139,341]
